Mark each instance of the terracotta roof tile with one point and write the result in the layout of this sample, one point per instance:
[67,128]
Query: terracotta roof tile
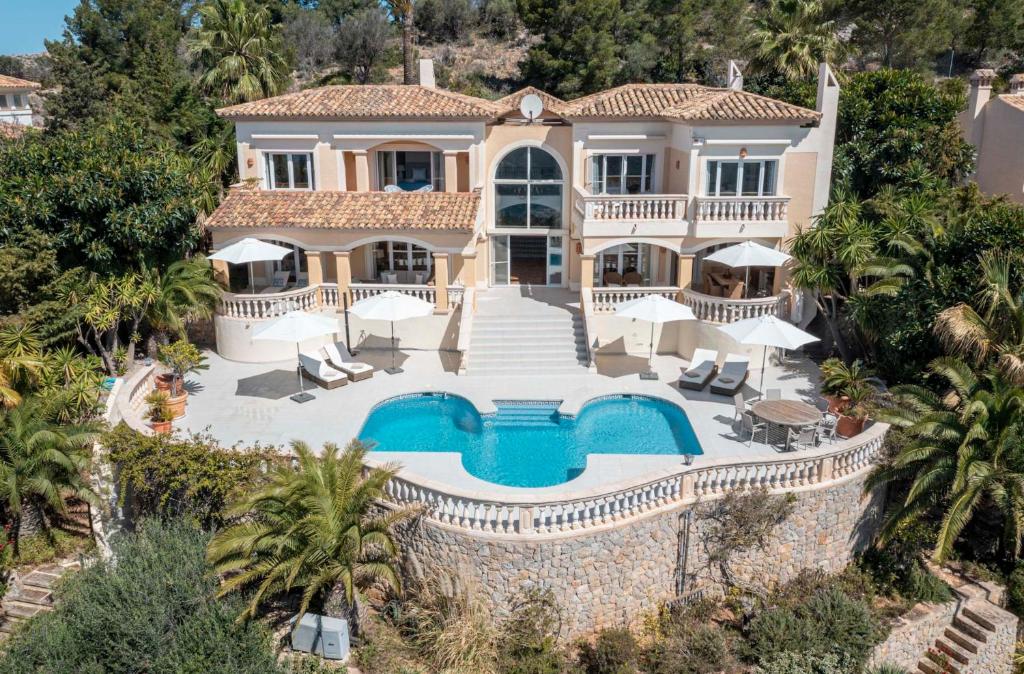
[347,210]
[370,101]
[510,104]
[8,83]
[686,102]
[12,131]
[1016,100]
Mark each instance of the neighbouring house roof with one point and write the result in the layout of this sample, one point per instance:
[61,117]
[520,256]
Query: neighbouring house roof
[1015,100]
[368,101]
[8,83]
[685,102]
[510,104]
[347,210]
[12,131]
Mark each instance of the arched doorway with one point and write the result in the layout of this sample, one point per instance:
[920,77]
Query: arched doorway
[527,244]
[635,264]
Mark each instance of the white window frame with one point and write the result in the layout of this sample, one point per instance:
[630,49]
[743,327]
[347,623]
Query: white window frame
[739,177]
[437,176]
[408,256]
[269,173]
[647,171]
[528,182]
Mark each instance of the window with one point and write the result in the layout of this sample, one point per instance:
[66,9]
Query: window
[627,258]
[289,171]
[528,191]
[410,170]
[622,174]
[394,256]
[744,178]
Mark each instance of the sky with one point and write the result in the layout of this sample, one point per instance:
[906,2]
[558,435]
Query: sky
[24,24]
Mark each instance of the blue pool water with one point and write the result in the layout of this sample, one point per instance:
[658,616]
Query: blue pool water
[528,444]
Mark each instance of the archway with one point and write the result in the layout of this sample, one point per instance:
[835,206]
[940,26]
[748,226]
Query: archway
[635,263]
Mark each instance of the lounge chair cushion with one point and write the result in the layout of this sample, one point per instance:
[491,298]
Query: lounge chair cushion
[702,368]
[341,358]
[318,368]
[731,374]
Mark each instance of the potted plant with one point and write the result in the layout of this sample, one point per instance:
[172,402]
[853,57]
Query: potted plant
[855,413]
[182,357]
[838,379]
[160,414]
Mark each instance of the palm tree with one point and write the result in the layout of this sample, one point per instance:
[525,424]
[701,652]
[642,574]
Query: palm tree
[239,50]
[41,463]
[965,453]
[20,360]
[791,37]
[995,329]
[403,11]
[313,528]
[186,292]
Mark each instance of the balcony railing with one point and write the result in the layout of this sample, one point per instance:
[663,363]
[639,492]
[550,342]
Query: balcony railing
[606,299]
[362,291]
[630,206]
[741,209]
[725,310]
[320,296]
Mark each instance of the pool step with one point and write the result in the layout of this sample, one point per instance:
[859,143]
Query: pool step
[526,415]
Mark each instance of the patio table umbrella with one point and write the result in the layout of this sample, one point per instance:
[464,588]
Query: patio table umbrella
[656,309]
[748,254]
[250,250]
[296,326]
[767,331]
[392,306]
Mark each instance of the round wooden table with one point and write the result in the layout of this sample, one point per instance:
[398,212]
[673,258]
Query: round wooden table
[793,413]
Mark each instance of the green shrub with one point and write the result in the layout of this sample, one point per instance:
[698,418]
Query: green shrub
[897,568]
[801,663]
[887,669]
[826,622]
[527,642]
[614,651]
[1015,589]
[690,648]
[151,612]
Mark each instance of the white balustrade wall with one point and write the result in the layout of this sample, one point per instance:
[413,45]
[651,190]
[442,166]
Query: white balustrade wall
[607,298]
[271,305]
[726,310]
[630,206]
[733,209]
[362,291]
[524,518]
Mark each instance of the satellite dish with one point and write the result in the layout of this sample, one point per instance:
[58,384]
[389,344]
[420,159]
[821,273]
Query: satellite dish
[531,106]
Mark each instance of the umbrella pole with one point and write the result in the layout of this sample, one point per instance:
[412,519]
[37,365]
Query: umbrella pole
[301,396]
[746,284]
[252,290]
[394,369]
[764,366]
[650,374]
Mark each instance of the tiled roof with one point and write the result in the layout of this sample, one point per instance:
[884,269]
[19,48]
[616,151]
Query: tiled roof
[1016,100]
[510,103]
[8,83]
[347,210]
[11,131]
[685,102]
[369,101]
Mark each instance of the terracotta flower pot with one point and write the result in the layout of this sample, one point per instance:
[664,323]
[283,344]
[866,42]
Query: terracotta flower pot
[837,404]
[161,426]
[848,426]
[177,404]
[164,382]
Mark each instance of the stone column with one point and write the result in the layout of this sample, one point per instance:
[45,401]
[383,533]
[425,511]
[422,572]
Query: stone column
[468,274]
[451,171]
[586,271]
[315,271]
[343,272]
[362,170]
[441,283]
[220,272]
[684,274]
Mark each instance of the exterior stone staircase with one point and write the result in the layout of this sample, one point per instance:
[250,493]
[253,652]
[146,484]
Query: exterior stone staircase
[526,337]
[961,647]
[32,594]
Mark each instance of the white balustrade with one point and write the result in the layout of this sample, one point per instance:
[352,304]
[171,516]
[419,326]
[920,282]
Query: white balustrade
[523,518]
[271,305]
[607,298]
[362,291]
[455,294]
[726,310]
[741,209]
[630,206]
[329,296]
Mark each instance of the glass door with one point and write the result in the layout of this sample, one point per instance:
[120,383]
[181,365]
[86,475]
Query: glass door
[555,258]
[499,260]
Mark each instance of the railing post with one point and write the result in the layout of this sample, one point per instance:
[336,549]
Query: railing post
[525,519]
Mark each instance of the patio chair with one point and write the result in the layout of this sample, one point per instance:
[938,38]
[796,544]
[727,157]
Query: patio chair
[391,189]
[805,438]
[301,279]
[731,375]
[633,278]
[320,373]
[736,291]
[701,370]
[280,279]
[740,405]
[827,427]
[749,425]
[341,358]
[425,188]
[612,278]
[773,394]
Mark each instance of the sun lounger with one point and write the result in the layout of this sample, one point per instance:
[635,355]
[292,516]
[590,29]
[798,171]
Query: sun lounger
[701,370]
[319,372]
[341,358]
[731,375]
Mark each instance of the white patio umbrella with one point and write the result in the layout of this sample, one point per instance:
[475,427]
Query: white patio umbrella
[297,326]
[392,306]
[749,254]
[767,331]
[657,310]
[250,250]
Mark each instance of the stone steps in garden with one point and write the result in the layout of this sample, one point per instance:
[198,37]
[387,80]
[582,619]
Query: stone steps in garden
[32,594]
[955,651]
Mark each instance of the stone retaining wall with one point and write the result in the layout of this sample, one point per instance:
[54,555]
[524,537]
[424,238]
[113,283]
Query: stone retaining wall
[613,576]
[913,635]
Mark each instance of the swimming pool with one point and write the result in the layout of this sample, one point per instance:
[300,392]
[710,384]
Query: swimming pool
[528,444]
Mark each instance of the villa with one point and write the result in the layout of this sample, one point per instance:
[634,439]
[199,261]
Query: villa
[995,127]
[15,111]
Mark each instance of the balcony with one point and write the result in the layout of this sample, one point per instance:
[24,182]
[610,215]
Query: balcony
[741,216]
[635,214]
[728,310]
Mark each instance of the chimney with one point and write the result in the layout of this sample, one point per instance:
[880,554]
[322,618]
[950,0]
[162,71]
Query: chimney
[427,74]
[827,103]
[977,96]
[734,80]
[1017,84]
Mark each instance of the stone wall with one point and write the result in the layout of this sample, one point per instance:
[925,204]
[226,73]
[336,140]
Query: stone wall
[614,575]
[914,633]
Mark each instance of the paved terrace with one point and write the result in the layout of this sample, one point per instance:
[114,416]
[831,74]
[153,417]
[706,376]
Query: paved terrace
[248,403]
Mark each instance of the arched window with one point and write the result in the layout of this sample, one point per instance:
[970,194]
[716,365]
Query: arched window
[528,191]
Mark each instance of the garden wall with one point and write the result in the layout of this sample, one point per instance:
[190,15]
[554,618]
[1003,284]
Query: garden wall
[615,574]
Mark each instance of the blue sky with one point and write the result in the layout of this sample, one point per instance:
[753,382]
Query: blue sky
[24,24]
